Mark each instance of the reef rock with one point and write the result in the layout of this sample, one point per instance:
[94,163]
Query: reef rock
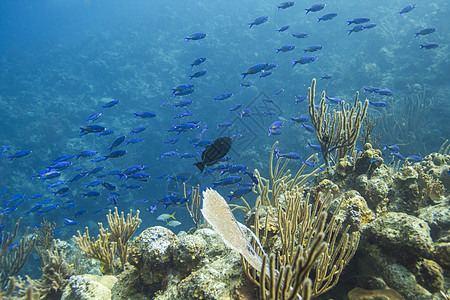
[362,294]
[89,286]
[403,236]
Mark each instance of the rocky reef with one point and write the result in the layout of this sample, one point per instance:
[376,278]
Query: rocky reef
[402,216]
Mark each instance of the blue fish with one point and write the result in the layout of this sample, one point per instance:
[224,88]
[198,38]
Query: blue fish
[87,153]
[315,8]
[93,117]
[407,9]
[91,129]
[116,143]
[255,69]
[183,103]
[283,28]
[134,141]
[393,148]
[196,36]
[300,119]
[429,46]
[117,153]
[286,48]
[100,158]
[289,155]
[68,222]
[110,104]
[4,149]
[356,28]
[313,48]
[425,31]
[106,132]
[304,60]
[258,21]
[137,130]
[145,115]
[19,154]
[198,74]
[223,96]
[91,194]
[33,209]
[239,193]
[414,158]
[198,61]
[285,5]
[384,92]
[316,148]
[169,153]
[378,103]
[80,212]
[358,21]
[227,181]
[300,35]
[327,17]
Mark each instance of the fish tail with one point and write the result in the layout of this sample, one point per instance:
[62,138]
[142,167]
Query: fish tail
[243,75]
[318,20]
[421,46]
[200,166]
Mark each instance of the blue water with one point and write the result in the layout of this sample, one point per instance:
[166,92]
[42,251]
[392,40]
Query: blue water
[62,60]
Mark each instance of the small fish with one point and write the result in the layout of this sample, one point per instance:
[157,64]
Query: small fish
[285,5]
[196,36]
[33,209]
[93,117]
[80,212]
[309,128]
[172,200]
[358,21]
[334,100]
[98,159]
[223,96]
[90,194]
[286,48]
[371,89]
[283,28]
[309,163]
[137,130]
[255,69]
[87,153]
[275,132]
[356,28]
[106,132]
[35,196]
[198,61]
[268,113]
[19,154]
[117,153]
[316,148]
[78,177]
[407,9]
[171,141]
[173,223]
[235,107]
[140,201]
[93,184]
[300,35]
[224,125]
[198,74]
[300,119]
[203,143]
[384,92]
[425,31]
[110,104]
[164,217]
[61,165]
[134,141]
[327,17]
[304,60]
[265,74]
[329,76]
[183,103]
[4,149]
[370,26]
[68,222]
[429,46]
[315,8]
[145,115]
[378,103]
[246,84]
[300,98]
[61,191]
[152,209]
[91,129]
[393,148]
[399,155]
[169,153]
[313,48]
[289,155]
[108,186]
[239,193]
[277,92]
[258,21]
[414,158]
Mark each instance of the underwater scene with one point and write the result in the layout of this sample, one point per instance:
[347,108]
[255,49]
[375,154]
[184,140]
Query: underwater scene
[212,149]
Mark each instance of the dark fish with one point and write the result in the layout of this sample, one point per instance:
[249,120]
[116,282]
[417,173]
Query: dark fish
[212,153]
[429,46]
[378,103]
[198,74]
[117,153]
[300,35]
[145,115]
[356,28]
[370,26]
[93,117]
[196,36]
[286,48]
[86,153]
[285,5]
[110,104]
[227,181]
[90,194]
[329,76]
[327,17]
[426,31]
[116,143]
[19,154]
[304,60]
[91,129]
[258,21]
[358,21]
[407,9]
[283,28]
[315,8]
[198,61]
[313,48]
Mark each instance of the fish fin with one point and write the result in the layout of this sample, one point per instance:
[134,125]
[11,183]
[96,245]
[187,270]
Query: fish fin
[200,166]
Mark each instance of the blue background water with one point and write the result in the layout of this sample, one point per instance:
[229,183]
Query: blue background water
[62,60]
